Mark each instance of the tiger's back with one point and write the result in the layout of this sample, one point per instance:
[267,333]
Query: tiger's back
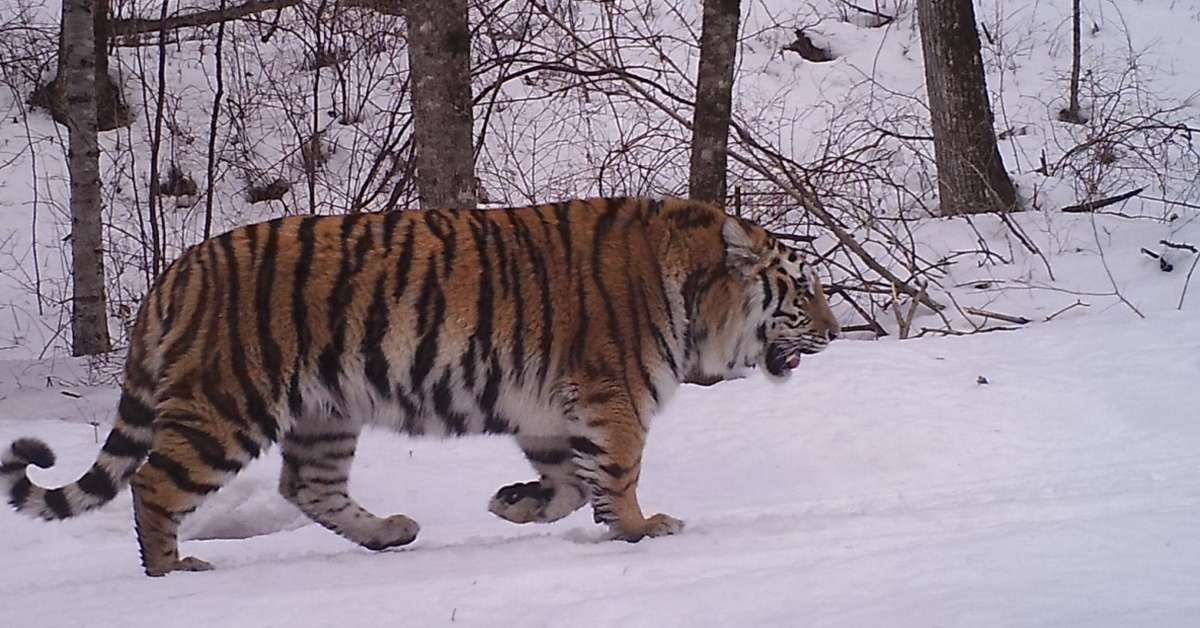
[566,325]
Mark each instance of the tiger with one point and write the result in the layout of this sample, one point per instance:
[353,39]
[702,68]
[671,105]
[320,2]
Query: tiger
[565,325]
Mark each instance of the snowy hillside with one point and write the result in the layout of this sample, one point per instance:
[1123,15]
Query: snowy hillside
[1043,475]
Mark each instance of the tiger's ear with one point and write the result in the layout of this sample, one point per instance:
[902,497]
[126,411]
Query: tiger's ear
[742,254]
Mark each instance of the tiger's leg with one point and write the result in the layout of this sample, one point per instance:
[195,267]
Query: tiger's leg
[193,453]
[607,439]
[315,477]
[557,494]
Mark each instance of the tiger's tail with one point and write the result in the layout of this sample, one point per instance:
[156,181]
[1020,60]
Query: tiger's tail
[123,452]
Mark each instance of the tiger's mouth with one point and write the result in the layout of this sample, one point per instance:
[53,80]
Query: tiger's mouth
[782,357]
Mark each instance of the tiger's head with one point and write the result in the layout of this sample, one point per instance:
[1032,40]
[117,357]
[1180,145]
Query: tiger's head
[777,310]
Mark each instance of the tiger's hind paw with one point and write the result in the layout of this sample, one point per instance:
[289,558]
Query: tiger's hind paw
[188,563]
[523,502]
[656,525]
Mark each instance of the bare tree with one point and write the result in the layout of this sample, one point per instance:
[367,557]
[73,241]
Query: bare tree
[439,56]
[714,92]
[89,320]
[971,174]
[1072,113]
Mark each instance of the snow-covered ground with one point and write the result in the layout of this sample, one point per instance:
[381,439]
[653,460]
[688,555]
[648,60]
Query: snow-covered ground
[882,486]
[885,485]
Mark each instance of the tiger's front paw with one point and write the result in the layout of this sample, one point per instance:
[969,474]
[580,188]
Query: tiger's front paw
[394,531]
[656,525]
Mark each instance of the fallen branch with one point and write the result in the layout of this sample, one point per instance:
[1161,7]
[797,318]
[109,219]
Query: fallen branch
[884,19]
[1016,320]
[1092,206]
[140,26]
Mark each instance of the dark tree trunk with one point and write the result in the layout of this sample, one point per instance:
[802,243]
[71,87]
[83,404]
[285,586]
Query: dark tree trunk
[971,175]
[439,54]
[89,320]
[714,94]
[1071,113]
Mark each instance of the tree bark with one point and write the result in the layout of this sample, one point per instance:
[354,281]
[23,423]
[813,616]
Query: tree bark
[714,95]
[1071,113]
[111,110]
[439,54]
[89,320]
[971,174]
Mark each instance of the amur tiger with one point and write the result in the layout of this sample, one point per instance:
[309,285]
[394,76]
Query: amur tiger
[565,325]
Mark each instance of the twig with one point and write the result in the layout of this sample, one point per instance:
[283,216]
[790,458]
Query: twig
[955,332]
[1008,318]
[1176,245]
[1074,305]
[884,19]
[1012,226]
[1092,206]
[1108,271]
[1186,281]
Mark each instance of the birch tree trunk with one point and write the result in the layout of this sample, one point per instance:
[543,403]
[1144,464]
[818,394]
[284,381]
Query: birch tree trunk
[89,320]
[714,95]
[970,172]
[439,55]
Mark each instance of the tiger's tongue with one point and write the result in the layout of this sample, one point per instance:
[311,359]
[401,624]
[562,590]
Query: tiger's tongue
[793,360]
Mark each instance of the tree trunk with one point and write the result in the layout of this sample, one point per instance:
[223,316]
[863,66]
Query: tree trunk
[971,175]
[1071,113]
[439,54]
[111,111]
[714,93]
[89,320]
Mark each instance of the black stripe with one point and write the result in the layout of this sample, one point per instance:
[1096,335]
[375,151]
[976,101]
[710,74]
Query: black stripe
[248,445]
[208,448]
[428,318]
[335,481]
[375,329]
[585,446]
[120,445]
[551,457]
[179,475]
[405,264]
[256,405]
[442,227]
[537,260]
[614,470]
[323,438]
[563,221]
[305,236]
[133,412]
[455,422]
[491,390]
[390,219]
[19,492]
[518,303]
[264,314]
[500,247]
[97,482]
[329,363]
[56,501]
[481,338]
[200,308]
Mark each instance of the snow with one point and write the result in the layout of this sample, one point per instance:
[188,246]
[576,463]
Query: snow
[886,484]
[881,486]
